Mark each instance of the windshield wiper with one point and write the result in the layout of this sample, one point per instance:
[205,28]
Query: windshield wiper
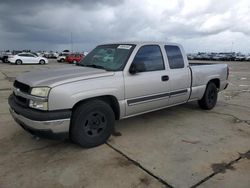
[95,66]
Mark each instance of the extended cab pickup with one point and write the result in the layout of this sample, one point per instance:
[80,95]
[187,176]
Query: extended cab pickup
[114,81]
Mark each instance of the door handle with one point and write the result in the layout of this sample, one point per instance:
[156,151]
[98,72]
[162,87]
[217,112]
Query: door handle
[165,78]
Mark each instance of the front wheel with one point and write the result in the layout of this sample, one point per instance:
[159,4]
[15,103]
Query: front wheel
[92,123]
[209,98]
[19,62]
[42,62]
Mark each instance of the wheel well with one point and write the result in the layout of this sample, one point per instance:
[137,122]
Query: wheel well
[216,81]
[109,99]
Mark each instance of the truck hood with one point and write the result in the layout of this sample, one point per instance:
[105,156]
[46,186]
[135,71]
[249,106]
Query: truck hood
[58,76]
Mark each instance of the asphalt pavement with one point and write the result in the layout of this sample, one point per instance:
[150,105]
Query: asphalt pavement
[182,146]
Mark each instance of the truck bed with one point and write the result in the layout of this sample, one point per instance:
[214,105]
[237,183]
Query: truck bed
[202,73]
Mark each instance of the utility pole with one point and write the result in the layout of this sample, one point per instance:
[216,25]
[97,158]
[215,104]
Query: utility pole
[71,41]
[232,47]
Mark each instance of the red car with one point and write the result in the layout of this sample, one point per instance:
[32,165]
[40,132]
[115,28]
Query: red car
[74,58]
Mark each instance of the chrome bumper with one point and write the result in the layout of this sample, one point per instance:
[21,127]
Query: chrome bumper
[55,126]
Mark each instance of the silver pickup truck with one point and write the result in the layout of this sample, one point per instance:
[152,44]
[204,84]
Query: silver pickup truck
[114,81]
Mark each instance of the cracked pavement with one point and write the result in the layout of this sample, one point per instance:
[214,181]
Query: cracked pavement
[182,146]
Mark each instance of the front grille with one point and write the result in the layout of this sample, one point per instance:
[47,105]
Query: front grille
[23,87]
[20,100]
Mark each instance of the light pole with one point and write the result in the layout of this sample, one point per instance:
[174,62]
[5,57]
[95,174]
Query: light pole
[71,41]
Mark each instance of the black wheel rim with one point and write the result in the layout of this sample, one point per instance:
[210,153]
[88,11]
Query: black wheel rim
[211,96]
[94,124]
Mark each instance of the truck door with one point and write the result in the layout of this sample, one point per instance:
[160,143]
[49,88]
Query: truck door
[148,88]
[179,75]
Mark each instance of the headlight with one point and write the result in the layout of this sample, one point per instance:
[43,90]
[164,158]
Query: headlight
[40,91]
[38,105]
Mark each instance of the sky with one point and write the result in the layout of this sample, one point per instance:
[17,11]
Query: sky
[207,25]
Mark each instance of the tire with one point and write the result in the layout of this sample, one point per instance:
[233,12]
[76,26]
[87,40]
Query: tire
[42,62]
[62,60]
[19,62]
[74,62]
[92,123]
[209,98]
[5,60]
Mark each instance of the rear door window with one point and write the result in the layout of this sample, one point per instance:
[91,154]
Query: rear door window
[175,58]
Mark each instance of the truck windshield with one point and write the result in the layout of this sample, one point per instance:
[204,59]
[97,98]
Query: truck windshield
[111,57]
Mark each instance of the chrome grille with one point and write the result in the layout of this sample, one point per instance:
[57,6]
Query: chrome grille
[23,87]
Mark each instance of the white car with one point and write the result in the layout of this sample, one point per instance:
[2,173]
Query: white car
[62,56]
[248,58]
[27,58]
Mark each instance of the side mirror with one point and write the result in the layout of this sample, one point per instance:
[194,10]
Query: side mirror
[137,66]
[133,69]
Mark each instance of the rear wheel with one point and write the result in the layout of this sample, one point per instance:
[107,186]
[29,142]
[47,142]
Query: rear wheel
[209,98]
[5,59]
[92,123]
[19,62]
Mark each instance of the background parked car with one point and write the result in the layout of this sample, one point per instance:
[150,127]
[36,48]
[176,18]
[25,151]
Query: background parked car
[39,54]
[4,56]
[190,56]
[248,58]
[74,58]
[240,57]
[221,56]
[27,58]
[1,55]
[62,56]
[51,55]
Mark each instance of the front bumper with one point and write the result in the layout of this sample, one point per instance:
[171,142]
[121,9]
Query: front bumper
[47,124]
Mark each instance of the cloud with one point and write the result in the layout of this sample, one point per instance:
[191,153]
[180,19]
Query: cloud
[197,25]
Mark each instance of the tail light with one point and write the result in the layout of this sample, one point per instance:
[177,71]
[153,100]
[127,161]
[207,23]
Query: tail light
[227,72]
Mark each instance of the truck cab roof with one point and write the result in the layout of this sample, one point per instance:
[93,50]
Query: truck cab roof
[141,43]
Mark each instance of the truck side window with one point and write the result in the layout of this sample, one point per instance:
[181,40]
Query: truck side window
[149,58]
[175,58]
